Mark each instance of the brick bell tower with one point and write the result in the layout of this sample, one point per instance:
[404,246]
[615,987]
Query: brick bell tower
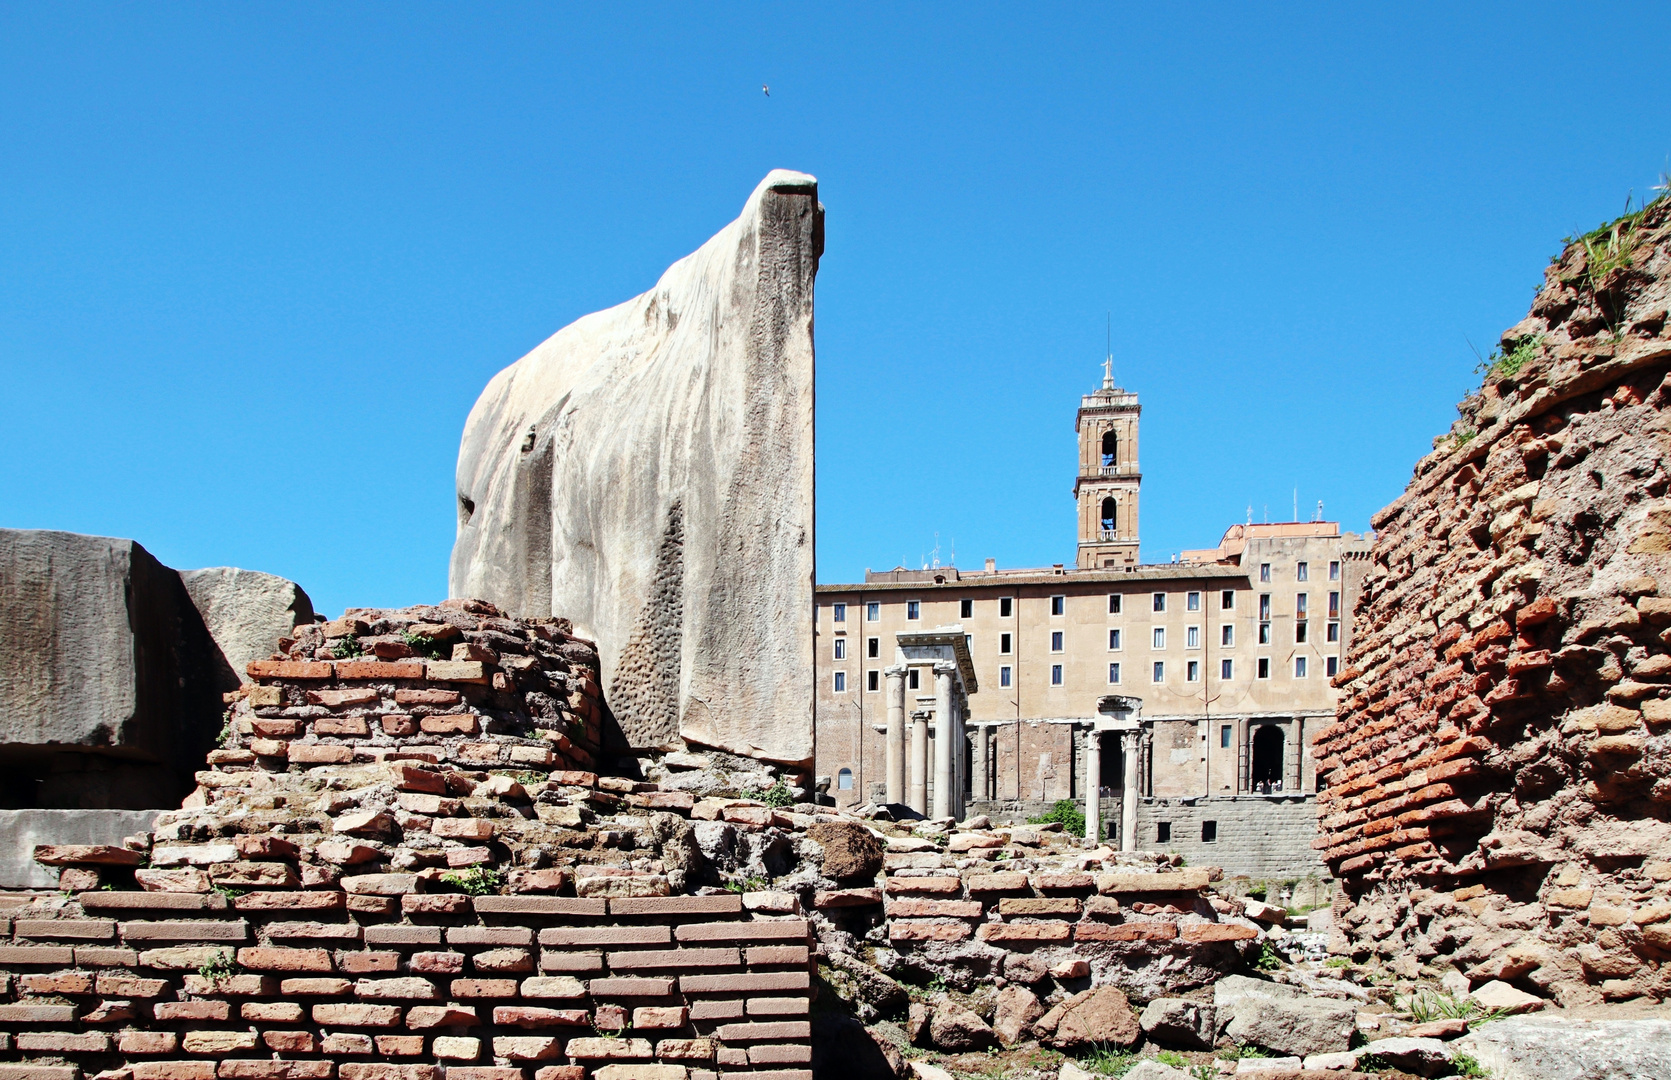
[1109,479]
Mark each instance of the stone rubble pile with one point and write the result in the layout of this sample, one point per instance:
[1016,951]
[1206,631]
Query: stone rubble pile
[1497,789]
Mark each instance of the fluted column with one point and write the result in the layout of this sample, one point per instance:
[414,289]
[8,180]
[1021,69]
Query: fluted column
[896,733]
[945,724]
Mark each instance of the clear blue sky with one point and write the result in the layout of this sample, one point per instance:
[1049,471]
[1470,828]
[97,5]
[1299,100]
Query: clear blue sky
[257,261]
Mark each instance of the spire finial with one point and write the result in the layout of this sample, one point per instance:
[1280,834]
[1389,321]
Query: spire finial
[1108,364]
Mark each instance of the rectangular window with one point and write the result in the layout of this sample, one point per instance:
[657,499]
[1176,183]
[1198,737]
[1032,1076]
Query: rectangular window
[1058,604]
[873,612]
[1113,603]
[1163,832]
[1159,672]
[1302,571]
[912,679]
[840,682]
[840,612]
[873,680]
[873,647]
[1300,605]
[1334,571]
[966,609]
[1004,675]
[1114,639]
[1299,633]
[1055,674]
[1209,832]
[1055,641]
[1264,605]
[1004,644]
[1264,669]
[1264,633]
[1227,635]
[1160,601]
[1331,666]
[1113,673]
[1334,605]
[1192,671]
[1264,571]
[1226,670]
[841,648]
[1006,606]
[1192,601]
[913,609]
[1227,600]
[1299,667]
[1334,631]
[1159,641]
[1224,736]
[1192,637]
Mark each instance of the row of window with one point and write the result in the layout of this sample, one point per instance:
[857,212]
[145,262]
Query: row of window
[1157,673]
[1058,605]
[1302,571]
[1116,639]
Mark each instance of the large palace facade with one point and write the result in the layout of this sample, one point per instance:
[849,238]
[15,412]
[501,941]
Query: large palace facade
[1185,694]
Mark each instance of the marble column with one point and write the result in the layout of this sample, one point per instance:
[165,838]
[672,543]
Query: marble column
[1093,781]
[896,733]
[1128,794]
[945,723]
[979,787]
[917,790]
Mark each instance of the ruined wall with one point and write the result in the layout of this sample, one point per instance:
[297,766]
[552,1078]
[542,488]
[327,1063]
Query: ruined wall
[393,867]
[1498,783]
[1266,837]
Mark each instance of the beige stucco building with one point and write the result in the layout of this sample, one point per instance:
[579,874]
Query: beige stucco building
[1229,653]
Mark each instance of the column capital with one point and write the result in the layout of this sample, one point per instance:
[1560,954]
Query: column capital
[895,671]
[944,667]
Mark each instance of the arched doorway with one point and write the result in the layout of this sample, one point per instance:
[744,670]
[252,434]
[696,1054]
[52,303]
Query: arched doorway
[1268,746]
[1110,449]
[1108,509]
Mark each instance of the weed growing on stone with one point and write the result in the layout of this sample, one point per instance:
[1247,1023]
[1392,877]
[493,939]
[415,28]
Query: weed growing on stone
[475,881]
[777,795]
[218,967]
[1268,959]
[422,645]
[1172,1058]
[1338,962]
[1106,1060]
[1065,813]
[1507,365]
[225,729]
[229,892]
[746,885]
[345,648]
[1468,1065]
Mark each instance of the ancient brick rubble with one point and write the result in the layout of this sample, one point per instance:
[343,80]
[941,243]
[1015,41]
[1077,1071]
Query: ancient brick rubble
[393,869]
[1498,781]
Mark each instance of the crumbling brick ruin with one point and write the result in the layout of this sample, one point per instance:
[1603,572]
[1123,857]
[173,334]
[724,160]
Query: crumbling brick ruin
[1499,779]
[395,868]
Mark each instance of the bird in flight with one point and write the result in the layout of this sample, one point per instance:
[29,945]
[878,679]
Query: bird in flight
[764,89]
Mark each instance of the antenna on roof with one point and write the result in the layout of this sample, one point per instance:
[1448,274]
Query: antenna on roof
[1250,513]
[1319,516]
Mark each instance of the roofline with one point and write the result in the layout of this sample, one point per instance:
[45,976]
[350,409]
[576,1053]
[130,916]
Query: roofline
[977,579]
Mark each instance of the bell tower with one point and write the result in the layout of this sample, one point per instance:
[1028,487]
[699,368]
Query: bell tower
[1109,478]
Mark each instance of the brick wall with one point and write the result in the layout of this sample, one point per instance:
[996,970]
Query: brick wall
[393,869]
[1498,781]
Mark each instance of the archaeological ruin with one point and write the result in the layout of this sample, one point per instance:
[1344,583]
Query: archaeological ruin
[570,823]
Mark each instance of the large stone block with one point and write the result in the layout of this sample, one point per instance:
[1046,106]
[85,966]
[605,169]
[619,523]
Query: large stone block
[647,472]
[246,612]
[110,677]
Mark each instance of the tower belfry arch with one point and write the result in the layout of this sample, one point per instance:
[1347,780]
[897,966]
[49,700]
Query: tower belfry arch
[1109,478]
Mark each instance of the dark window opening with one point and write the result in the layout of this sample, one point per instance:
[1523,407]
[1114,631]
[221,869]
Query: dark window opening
[1266,772]
[915,681]
[1209,832]
[1108,507]
[1110,448]
[1163,832]
[966,609]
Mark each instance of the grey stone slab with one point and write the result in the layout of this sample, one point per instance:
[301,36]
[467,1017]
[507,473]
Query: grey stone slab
[1556,1048]
[246,612]
[21,830]
[647,472]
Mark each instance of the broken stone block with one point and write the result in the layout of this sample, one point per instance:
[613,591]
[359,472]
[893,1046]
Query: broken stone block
[691,575]
[1179,1022]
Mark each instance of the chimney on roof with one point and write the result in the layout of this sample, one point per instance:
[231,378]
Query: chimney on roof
[992,566]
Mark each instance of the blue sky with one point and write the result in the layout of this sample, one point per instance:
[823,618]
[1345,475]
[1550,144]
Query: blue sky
[257,261]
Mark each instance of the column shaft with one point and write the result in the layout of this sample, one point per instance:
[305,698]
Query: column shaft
[1093,779]
[896,734]
[1128,795]
[944,735]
